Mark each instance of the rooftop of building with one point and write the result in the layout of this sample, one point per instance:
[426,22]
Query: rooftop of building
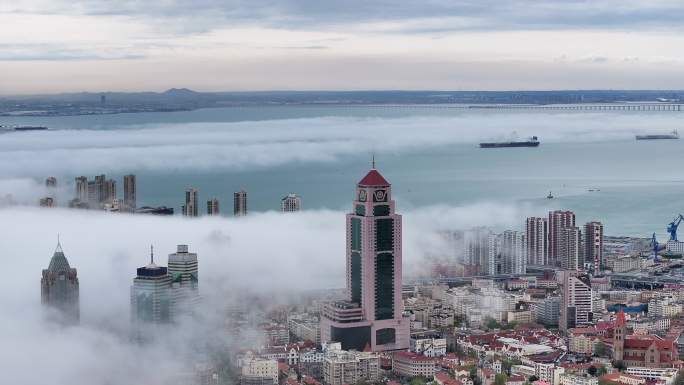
[58,262]
[373,178]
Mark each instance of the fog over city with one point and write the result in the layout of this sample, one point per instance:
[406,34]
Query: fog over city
[267,255]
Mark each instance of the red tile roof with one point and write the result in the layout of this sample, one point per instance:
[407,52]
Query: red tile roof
[373,178]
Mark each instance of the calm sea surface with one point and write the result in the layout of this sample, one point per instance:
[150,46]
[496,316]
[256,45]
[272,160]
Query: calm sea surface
[638,186]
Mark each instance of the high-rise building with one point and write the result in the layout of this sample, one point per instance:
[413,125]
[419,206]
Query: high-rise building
[240,203]
[184,281]
[109,191]
[593,245]
[190,207]
[82,189]
[100,188]
[59,287]
[47,202]
[371,316]
[557,220]
[569,250]
[514,252]
[546,311]
[151,295]
[537,235]
[481,247]
[129,193]
[213,206]
[619,334]
[575,309]
[51,182]
[290,203]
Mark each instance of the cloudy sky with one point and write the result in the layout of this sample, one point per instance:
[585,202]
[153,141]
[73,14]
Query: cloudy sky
[59,45]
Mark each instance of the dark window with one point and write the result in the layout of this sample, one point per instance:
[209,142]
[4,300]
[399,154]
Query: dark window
[361,210]
[384,286]
[384,234]
[381,210]
[356,277]
[356,234]
[385,336]
[351,338]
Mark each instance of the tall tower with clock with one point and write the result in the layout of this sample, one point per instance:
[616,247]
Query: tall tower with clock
[371,317]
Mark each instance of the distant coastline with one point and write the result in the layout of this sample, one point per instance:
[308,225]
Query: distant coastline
[105,103]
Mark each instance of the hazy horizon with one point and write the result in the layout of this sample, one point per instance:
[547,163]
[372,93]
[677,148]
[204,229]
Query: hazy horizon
[91,45]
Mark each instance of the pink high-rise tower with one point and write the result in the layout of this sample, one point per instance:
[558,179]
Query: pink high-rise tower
[371,316]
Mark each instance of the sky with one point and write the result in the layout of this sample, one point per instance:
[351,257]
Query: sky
[49,46]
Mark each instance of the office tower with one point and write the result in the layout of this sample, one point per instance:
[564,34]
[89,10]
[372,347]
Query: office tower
[82,189]
[109,191]
[291,203]
[213,207]
[100,188]
[151,295]
[593,245]
[537,236]
[184,282]
[47,202]
[557,220]
[514,252]
[481,247]
[619,334]
[129,193]
[371,316]
[190,207]
[569,253]
[547,311]
[575,307]
[240,203]
[59,288]
[51,182]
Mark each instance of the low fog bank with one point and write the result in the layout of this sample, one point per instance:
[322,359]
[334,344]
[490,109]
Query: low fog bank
[264,255]
[240,146]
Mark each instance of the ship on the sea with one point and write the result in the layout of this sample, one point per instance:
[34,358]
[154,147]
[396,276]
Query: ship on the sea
[23,128]
[531,142]
[673,135]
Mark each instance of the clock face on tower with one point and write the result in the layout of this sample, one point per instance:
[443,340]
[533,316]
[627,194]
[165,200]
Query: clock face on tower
[380,196]
[362,195]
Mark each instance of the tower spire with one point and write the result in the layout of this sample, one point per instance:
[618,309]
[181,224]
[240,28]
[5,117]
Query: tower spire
[152,254]
[373,162]
[58,249]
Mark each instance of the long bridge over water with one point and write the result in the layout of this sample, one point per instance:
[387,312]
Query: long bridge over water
[566,107]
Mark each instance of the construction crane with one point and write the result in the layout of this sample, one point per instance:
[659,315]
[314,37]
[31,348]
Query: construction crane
[672,227]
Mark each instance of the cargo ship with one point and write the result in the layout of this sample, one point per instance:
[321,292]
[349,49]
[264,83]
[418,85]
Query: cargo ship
[24,128]
[531,142]
[673,135]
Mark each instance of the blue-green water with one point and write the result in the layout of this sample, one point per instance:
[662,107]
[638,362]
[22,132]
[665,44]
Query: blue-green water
[641,185]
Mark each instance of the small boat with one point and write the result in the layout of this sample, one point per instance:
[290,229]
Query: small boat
[550,196]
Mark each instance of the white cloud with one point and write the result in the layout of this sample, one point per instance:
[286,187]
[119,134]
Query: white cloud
[266,254]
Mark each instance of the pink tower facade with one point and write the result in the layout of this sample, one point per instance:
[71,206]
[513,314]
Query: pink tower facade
[371,317]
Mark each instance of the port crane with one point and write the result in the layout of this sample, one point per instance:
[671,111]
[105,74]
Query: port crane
[672,227]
